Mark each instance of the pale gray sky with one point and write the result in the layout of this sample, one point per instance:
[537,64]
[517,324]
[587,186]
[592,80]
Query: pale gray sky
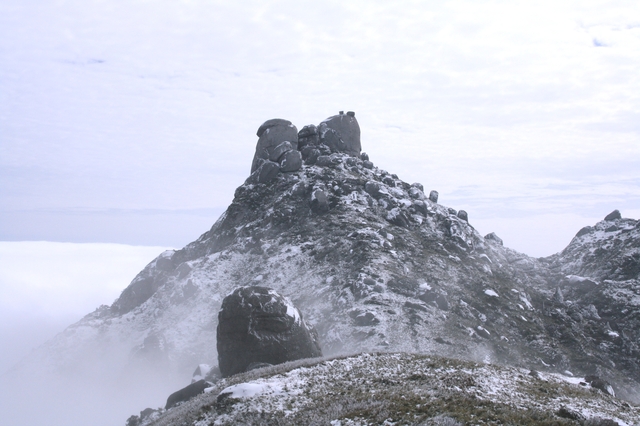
[134,121]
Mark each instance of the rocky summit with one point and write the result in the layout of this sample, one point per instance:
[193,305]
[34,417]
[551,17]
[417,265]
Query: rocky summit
[376,265]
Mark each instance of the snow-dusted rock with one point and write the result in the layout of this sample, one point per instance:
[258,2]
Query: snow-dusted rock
[557,296]
[310,154]
[597,383]
[267,171]
[271,123]
[319,201]
[277,153]
[203,371]
[290,161]
[257,325]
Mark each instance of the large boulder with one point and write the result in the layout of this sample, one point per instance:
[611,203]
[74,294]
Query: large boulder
[272,133]
[308,136]
[258,325]
[290,161]
[341,133]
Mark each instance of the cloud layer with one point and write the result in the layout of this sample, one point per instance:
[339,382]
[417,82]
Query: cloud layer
[46,286]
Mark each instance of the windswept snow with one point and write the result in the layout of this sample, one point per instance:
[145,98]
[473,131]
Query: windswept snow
[249,390]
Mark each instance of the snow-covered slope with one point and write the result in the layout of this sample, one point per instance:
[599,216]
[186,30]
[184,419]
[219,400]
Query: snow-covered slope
[394,388]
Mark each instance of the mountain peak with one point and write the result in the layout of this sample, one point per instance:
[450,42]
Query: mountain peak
[281,148]
[375,265]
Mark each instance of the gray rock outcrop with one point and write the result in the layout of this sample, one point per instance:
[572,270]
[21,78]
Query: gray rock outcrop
[613,216]
[282,149]
[258,325]
[493,237]
[271,134]
[290,161]
[341,133]
[308,136]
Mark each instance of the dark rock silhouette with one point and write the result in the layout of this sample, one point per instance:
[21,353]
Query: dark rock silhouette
[186,393]
[281,148]
[613,216]
[272,133]
[308,136]
[145,416]
[341,133]
[257,325]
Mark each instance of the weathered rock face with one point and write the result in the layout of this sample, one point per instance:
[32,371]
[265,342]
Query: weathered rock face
[281,149]
[144,285]
[341,133]
[272,134]
[257,325]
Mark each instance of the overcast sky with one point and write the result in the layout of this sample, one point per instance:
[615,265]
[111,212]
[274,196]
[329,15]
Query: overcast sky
[133,122]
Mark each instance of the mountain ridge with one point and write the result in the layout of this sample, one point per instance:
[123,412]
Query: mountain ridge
[375,265]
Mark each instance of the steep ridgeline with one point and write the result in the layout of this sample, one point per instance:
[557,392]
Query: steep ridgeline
[598,293]
[377,265]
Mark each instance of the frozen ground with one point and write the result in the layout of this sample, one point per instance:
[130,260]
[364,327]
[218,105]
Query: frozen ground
[397,389]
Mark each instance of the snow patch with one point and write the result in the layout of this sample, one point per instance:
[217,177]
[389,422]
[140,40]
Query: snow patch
[292,311]
[524,300]
[491,293]
[251,389]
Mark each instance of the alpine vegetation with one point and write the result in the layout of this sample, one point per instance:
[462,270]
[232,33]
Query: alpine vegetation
[398,388]
[451,327]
